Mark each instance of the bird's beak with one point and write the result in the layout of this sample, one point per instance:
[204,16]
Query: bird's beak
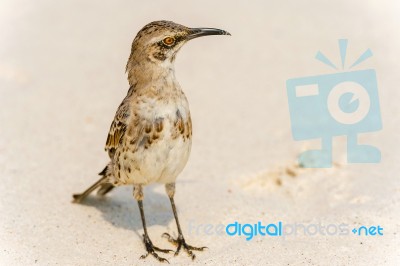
[198,32]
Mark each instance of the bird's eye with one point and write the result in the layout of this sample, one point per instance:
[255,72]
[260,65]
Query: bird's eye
[169,41]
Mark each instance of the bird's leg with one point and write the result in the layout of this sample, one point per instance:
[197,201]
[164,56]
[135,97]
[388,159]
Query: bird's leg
[180,241]
[150,248]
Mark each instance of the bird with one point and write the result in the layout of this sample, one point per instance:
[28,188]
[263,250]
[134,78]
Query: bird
[150,138]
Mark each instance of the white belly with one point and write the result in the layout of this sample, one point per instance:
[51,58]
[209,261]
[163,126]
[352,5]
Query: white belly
[164,161]
[165,157]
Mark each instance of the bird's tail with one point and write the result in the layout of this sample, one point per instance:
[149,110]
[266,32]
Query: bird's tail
[103,183]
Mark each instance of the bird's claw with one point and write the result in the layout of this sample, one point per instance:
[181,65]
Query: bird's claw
[151,249]
[180,242]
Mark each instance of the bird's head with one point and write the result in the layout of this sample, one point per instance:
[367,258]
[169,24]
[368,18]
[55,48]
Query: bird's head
[159,41]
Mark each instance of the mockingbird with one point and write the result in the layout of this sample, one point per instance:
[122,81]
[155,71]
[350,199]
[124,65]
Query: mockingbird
[150,137]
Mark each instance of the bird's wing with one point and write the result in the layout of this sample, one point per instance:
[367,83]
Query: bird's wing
[118,127]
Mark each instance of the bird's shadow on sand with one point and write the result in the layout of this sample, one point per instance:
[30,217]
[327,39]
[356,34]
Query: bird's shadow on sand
[121,210]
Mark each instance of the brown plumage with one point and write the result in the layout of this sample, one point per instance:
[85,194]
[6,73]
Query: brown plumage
[150,138]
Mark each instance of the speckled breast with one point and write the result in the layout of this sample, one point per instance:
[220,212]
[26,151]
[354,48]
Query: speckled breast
[157,144]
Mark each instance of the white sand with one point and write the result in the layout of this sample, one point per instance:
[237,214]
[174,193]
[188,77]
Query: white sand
[62,78]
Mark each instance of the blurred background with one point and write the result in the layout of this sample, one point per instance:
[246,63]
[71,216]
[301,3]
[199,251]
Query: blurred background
[62,78]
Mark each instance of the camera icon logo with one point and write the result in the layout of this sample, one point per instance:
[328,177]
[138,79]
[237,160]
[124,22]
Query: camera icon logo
[344,103]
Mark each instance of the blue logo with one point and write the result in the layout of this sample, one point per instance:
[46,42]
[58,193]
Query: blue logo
[338,104]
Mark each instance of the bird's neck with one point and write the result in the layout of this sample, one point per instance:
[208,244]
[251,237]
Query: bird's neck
[144,72]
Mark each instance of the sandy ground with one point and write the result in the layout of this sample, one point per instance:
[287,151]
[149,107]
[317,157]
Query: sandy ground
[62,78]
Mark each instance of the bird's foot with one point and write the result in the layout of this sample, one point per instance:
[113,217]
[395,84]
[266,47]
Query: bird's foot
[151,249]
[180,242]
